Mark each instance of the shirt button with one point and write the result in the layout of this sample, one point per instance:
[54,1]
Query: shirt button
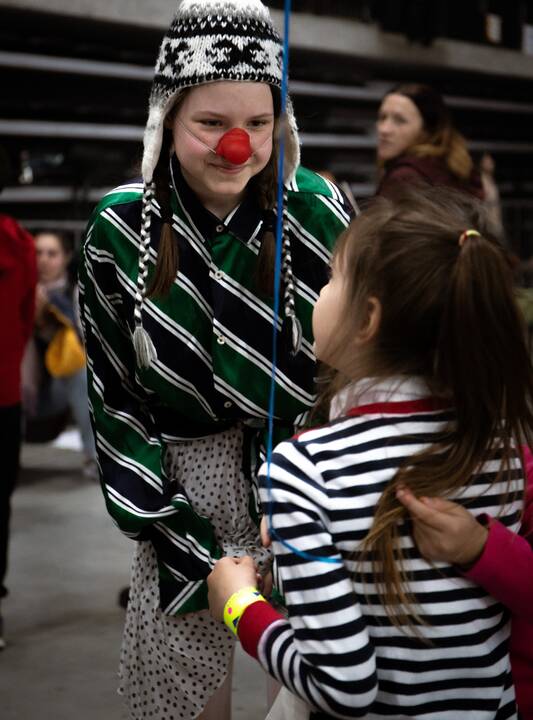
[228,404]
[221,340]
[219,228]
[218,274]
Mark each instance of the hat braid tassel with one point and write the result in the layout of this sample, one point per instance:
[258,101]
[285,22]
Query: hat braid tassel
[145,351]
[286,268]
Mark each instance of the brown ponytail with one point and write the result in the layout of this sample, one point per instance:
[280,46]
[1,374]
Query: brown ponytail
[264,185]
[448,314]
[166,267]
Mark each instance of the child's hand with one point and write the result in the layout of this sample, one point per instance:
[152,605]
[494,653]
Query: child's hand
[229,575]
[444,530]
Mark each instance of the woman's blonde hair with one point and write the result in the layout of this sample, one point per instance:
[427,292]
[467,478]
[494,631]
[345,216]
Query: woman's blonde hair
[448,313]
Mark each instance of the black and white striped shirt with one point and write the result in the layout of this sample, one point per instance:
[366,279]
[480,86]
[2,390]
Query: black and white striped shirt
[338,650]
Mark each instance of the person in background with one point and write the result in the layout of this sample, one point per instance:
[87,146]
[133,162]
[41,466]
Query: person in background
[46,397]
[491,191]
[417,142]
[18,277]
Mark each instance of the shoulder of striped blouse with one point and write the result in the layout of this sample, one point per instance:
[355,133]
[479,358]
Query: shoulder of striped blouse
[311,192]
[129,193]
[307,181]
[328,431]
[126,193]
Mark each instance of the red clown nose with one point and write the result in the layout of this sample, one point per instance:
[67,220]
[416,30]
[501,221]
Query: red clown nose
[234,146]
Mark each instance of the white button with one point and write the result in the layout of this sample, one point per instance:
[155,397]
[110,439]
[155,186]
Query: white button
[227,404]
[218,274]
[219,228]
[221,340]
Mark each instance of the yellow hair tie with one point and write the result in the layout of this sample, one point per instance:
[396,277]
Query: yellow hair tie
[466,234]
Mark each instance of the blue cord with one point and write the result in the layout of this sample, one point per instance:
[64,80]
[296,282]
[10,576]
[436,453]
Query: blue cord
[277,282]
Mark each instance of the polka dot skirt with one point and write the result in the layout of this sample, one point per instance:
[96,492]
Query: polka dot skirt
[171,665]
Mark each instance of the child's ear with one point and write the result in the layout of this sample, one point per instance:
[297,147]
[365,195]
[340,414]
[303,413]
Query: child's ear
[370,325]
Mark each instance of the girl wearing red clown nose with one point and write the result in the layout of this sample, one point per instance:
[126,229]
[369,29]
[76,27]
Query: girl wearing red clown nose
[177,302]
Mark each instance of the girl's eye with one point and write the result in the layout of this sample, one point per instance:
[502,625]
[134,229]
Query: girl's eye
[258,123]
[210,123]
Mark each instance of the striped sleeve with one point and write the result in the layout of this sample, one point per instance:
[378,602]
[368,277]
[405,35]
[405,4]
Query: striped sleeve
[323,652]
[129,450]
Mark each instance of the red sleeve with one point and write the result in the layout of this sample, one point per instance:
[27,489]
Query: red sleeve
[28,297]
[254,621]
[527,521]
[505,568]
[396,178]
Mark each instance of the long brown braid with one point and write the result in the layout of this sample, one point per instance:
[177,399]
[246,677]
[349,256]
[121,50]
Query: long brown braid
[167,263]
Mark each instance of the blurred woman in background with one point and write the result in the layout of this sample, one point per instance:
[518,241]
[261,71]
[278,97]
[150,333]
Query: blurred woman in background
[48,398]
[418,143]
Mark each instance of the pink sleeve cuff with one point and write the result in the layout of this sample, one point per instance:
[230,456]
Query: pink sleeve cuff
[505,569]
[482,568]
[254,621]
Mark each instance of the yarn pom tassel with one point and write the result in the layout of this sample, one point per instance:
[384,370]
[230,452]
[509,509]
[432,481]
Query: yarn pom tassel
[145,351]
[296,335]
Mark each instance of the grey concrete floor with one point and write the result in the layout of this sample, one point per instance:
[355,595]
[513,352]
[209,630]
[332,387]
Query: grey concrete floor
[62,622]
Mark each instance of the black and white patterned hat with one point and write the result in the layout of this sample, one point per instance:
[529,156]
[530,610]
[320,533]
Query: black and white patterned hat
[209,41]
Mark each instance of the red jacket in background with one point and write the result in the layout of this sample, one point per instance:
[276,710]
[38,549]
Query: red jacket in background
[18,277]
[431,170]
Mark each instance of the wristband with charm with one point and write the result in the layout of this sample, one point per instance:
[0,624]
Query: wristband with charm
[237,604]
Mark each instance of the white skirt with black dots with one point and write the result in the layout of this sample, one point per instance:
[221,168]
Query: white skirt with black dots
[171,665]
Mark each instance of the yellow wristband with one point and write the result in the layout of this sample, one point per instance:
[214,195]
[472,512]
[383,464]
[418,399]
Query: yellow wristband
[237,604]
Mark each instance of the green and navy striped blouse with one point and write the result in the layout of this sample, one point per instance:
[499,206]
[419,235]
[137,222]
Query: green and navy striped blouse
[213,335]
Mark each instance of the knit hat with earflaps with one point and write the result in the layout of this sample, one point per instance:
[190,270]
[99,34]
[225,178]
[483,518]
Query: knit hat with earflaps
[209,41]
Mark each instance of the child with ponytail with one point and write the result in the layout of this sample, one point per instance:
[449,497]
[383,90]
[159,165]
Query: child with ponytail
[433,389]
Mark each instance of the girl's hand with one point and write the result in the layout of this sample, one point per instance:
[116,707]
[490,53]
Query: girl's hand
[443,530]
[229,575]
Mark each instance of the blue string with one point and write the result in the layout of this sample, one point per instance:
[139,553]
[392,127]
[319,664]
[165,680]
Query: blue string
[277,282]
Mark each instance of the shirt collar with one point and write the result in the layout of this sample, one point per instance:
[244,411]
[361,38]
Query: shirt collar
[373,391]
[245,222]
